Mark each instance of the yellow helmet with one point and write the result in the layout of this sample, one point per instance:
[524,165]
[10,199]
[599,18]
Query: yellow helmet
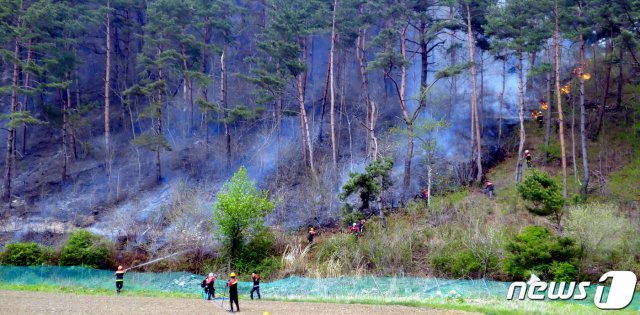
[233,274]
[266,313]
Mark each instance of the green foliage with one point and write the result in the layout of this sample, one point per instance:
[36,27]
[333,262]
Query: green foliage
[23,254]
[551,152]
[457,262]
[602,233]
[21,118]
[152,142]
[369,185]
[86,249]
[535,250]
[543,193]
[257,254]
[239,211]
[563,272]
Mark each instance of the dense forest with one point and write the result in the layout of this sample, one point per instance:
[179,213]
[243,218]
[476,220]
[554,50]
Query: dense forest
[126,117]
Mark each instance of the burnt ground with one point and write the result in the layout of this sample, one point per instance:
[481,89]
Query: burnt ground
[21,302]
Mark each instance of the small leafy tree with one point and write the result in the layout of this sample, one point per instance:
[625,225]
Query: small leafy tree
[543,193]
[22,254]
[369,185]
[239,211]
[538,251]
[86,249]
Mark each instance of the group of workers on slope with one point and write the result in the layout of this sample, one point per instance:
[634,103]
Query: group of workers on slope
[208,285]
[356,229]
[488,185]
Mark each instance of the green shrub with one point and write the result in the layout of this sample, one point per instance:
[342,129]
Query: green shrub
[535,250]
[543,193]
[458,263]
[550,152]
[23,254]
[564,272]
[624,183]
[255,254]
[86,249]
[602,233]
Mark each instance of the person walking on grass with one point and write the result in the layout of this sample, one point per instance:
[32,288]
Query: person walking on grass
[256,284]
[208,285]
[119,278]
[233,292]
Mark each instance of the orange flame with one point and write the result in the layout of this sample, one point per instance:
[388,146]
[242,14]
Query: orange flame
[586,76]
[544,105]
[566,88]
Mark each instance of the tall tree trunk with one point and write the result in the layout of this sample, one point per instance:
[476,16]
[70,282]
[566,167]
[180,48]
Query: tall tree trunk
[72,137]
[620,77]
[325,95]
[520,116]
[65,126]
[159,131]
[583,131]
[188,86]
[107,89]
[205,92]
[406,182]
[223,104]
[605,93]
[424,60]
[361,48]
[547,132]
[501,99]
[333,97]
[11,136]
[556,48]
[25,105]
[304,123]
[474,96]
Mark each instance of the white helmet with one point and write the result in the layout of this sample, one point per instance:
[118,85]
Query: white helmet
[354,224]
[526,151]
[211,274]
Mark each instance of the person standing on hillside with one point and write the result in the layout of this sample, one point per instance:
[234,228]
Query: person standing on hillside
[119,278]
[527,157]
[256,284]
[488,186]
[355,230]
[233,292]
[312,234]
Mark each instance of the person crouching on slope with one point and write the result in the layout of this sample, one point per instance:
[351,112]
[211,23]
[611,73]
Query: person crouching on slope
[233,291]
[119,278]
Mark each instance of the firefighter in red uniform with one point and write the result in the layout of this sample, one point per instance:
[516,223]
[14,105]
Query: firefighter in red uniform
[488,186]
[312,234]
[355,230]
[527,157]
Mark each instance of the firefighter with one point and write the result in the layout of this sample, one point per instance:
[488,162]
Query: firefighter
[256,284]
[425,193]
[488,186]
[537,116]
[208,286]
[355,230]
[233,291]
[361,225]
[312,234]
[527,157]
[119,278]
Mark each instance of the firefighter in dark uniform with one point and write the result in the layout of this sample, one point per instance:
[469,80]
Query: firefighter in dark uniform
[233,291]
[119,278]
[256,284]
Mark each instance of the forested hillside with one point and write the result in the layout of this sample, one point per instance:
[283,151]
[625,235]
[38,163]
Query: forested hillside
[126,117]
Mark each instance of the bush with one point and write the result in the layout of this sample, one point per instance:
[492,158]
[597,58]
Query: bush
[256,254]
[458,263]
[564,272]
[86,249]
[535,250]
[601,232]
[550,152]
[23,254]
[543,193]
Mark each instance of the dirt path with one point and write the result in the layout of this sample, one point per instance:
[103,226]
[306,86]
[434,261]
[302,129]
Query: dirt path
[20,302]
